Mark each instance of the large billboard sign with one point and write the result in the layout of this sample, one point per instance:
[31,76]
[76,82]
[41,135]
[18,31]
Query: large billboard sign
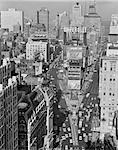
[74,95]
[74,84]
[74,53]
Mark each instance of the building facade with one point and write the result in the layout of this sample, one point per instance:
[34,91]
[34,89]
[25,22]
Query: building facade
[92,20]
[43,18]
[108,89]
[113,33]
[9,128]
[77,19]
[12,17]
[37,46]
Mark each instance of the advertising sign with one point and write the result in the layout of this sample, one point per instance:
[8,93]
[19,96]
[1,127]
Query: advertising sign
[74,84]
[74,53]
[74,95]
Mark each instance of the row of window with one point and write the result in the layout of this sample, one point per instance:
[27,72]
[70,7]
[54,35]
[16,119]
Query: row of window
[111,94]
[110,79]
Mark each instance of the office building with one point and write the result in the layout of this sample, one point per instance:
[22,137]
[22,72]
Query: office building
[43,18]
[9,125]
[17,28]
[77,19]
[113,33]
[108,85]
[37,45]
[92,20]
[33,119]
[12,17]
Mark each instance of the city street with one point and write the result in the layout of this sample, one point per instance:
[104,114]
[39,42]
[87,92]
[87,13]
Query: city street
[87,111]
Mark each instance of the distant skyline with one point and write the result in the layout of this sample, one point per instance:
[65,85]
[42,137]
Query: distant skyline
[57,0]
[105,8]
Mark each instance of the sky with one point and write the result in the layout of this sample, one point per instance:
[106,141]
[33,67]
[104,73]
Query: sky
[59,0]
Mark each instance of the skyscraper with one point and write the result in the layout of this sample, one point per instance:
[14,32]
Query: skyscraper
[12,17]
[77,18]
[43,18]
[8,108]
[92,19]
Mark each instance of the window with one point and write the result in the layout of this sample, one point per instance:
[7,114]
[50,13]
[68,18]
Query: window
[113,94]
[113,79]
[104,93]
[104,79]
[110,94]
[110,79]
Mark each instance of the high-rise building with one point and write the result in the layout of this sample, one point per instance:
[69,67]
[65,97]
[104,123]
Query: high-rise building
[77,19]
[43,18]
[8,108]
[37,44]
[113,34]
[108,85]
[12,17]
[92,20]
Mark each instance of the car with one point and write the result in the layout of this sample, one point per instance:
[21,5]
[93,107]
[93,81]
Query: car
[90,80]
[95,71]
[64,125]
[80,138]
[84,134]
[71,141]
[63,137]
[79,131]
[70,135]
[80,123]
[71,148]
[66,135]
[87,95]
[83,129]
[69,129]
[66,147]
[64,129]
[80,113]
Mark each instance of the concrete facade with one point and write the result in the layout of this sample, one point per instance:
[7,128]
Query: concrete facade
[12,17]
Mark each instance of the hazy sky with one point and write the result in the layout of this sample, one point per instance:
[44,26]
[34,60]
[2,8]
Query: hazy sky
[59,0]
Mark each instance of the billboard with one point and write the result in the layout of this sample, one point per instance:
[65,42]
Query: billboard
[74,95]
[74,84]
[74,53]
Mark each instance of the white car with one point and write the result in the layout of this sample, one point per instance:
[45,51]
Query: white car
[80,138]
[80,113]
[80,123]
[71,148]
[69,129]
[70,135]
[64,125]
[87,95]
[79,131]
[63,137]
[71,141]
[64,129]
[83,129]
[66,147]
[66,135]
[84,134]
